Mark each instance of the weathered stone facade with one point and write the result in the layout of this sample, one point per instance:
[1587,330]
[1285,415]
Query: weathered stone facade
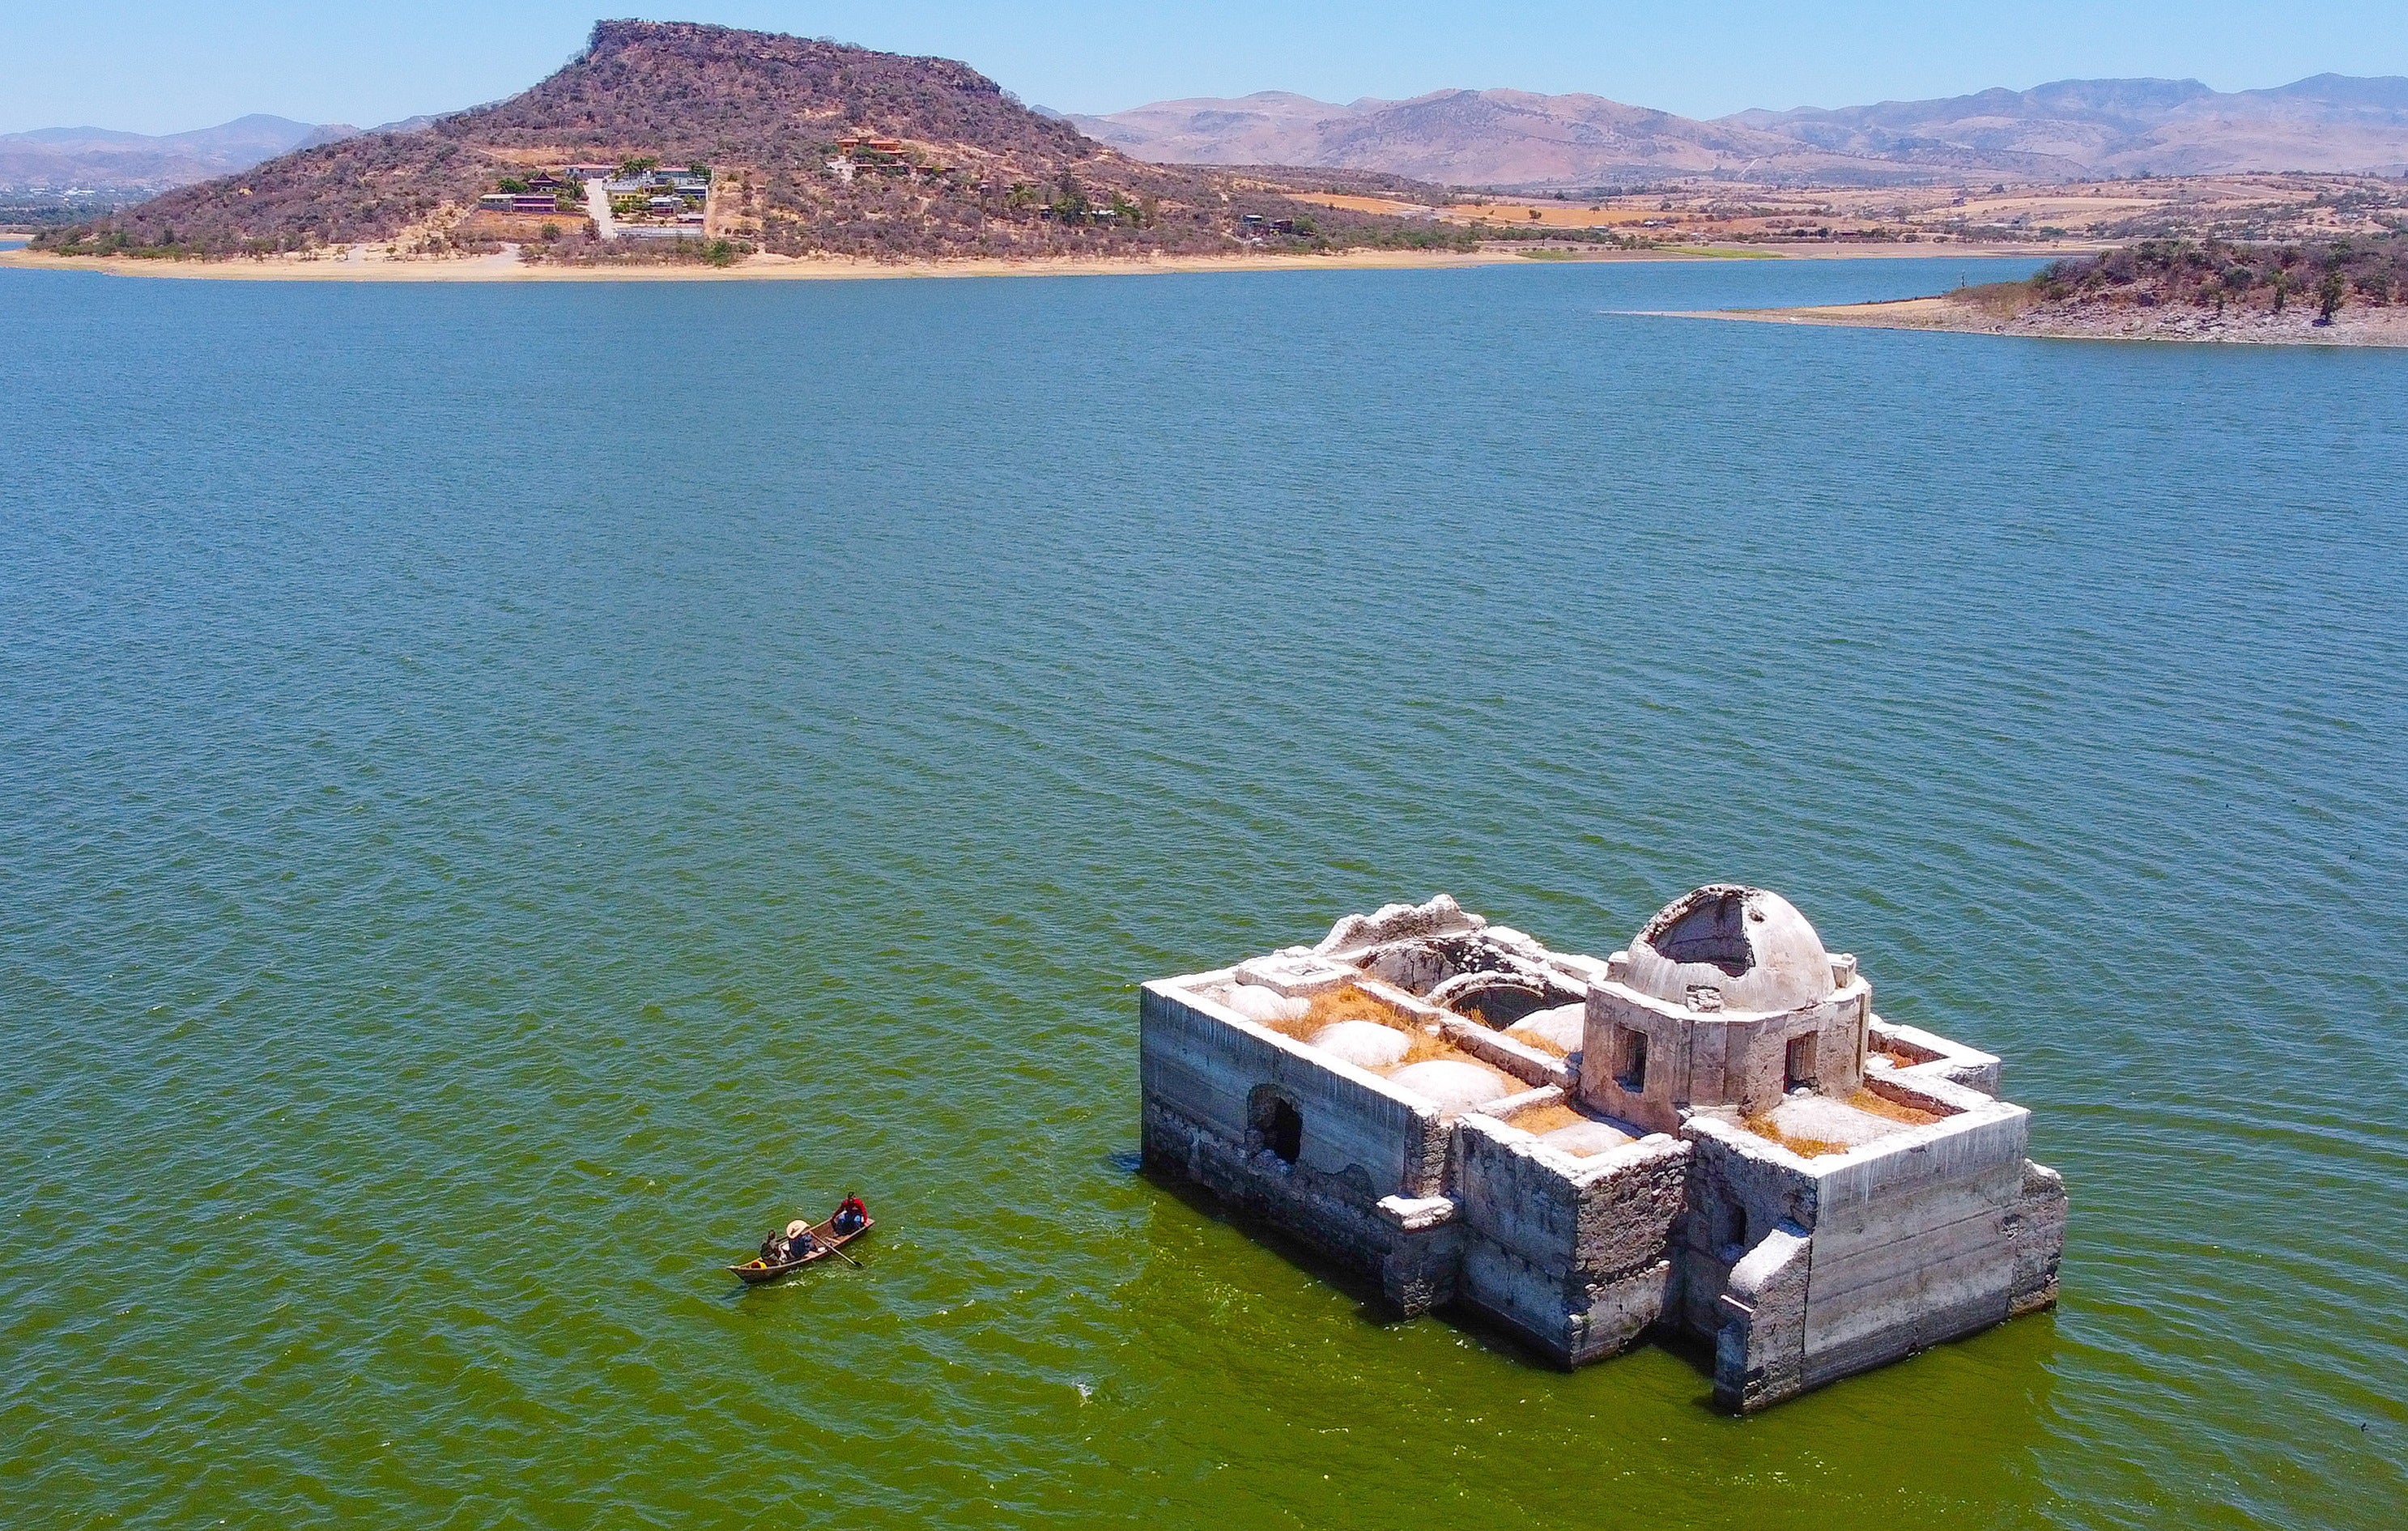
[1709,1132]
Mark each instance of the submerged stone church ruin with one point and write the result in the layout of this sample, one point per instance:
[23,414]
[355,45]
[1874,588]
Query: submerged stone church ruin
[1710,1133]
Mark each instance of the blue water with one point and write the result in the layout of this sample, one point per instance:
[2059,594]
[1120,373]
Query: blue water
[511,790]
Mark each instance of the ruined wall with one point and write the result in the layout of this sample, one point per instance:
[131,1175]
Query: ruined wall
[1912,1247]
[1930,1056]
[1209,1067]
[1934,1233]
[1571,1252]
[1206,1078]
[2036,1229]
[1761,1350]
[1739,1188]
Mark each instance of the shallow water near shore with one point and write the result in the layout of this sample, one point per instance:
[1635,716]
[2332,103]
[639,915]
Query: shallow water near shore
[511,792]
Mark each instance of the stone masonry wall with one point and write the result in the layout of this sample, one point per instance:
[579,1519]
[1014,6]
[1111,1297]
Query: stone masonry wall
[1203,1076]
[1356,1128]
[1570,1252]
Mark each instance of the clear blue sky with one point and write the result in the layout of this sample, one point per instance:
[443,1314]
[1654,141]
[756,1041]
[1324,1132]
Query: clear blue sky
[160,66]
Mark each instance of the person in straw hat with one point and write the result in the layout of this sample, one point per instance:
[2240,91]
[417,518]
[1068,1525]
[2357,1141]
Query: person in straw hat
[796,1242]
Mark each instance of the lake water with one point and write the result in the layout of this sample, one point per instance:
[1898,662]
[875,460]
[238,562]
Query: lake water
[510,791]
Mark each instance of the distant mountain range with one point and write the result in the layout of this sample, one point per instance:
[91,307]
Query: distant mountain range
[1513,140]
[2070,130]
[113,164]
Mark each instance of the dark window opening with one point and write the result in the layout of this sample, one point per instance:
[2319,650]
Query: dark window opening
[1632,1075]
[1734,1226]
[1798,1072]
[1283,1134]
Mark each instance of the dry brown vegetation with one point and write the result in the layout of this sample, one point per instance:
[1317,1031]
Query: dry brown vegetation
[2229,207]
[1351,1002]
[2221,275]
[1547,1119]
[1882,1106]
[1805,1148]
[1863,1100]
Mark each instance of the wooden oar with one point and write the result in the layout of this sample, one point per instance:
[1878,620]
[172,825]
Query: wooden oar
[839,1254]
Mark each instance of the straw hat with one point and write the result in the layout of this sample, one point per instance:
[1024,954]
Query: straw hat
[797,1229]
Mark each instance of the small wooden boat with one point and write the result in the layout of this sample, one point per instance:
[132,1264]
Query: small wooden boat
[754,1271]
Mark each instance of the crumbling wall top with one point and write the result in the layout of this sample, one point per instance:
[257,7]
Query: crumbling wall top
[1360,932]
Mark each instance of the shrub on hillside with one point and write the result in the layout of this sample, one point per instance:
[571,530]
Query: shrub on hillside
[2218,273]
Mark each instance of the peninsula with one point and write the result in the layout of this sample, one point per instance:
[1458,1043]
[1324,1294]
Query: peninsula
[2338,293]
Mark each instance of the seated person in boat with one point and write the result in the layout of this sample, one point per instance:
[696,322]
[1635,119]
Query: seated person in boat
[852,1216]
[793,1244]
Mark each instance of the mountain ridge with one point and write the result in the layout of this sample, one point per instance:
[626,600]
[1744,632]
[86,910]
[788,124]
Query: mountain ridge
[112,161]
[2068,129]
[2062,130]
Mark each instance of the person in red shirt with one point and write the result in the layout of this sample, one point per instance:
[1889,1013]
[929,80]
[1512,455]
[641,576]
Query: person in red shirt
[851,1215]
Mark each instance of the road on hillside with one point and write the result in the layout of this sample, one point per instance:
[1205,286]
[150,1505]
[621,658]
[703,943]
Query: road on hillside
[598,208]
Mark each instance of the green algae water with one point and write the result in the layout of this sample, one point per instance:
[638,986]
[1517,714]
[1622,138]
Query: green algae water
[508,793]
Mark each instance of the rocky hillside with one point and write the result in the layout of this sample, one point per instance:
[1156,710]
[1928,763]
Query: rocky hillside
[2229,277]
[970,170]
[2323,292]
[2067,131]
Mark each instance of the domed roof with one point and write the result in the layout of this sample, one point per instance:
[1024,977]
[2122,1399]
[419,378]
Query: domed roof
[1452,1086]
[1729,947]
[1365,1044]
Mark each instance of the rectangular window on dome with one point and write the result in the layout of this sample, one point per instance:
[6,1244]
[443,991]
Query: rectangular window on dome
[1799,1071]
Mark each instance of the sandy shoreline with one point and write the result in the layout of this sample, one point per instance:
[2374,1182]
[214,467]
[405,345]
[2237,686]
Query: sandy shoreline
[366,263]
[2350,327]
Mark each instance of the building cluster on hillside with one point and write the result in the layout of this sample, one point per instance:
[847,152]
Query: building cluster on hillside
[545,191]
[647,201]
[641,201]
[874,154]
[1708,1133]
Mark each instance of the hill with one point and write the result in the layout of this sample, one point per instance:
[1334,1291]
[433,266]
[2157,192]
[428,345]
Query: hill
[112,164]
[810,147]
[2068,130]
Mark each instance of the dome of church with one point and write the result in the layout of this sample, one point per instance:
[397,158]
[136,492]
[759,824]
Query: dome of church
[1729,947]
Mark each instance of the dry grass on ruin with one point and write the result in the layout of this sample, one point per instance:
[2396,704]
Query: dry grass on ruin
[1547,1119]
[1863,1100]
[1805,1148]
[1346,1003]
[1350,1002]
[1882,1106]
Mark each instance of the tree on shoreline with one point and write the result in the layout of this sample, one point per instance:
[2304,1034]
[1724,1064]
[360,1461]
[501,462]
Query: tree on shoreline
[2330,293]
